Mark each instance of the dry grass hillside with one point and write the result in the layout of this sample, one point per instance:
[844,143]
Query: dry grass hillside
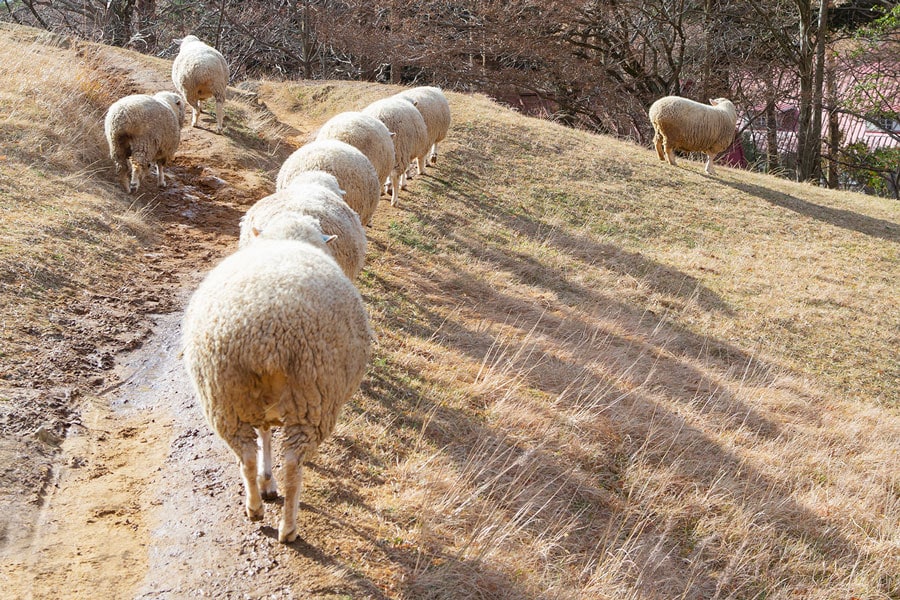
[596,375]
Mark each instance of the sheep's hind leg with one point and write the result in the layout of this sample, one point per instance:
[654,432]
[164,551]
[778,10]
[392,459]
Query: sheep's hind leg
[160,175]
[267,486]
[243,443]
[709,165]
[421,161]
[432,157]
[295,445]
[195,113]
[395,187]
[220,114]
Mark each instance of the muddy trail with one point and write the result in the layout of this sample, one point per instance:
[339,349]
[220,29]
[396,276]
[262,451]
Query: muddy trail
[140,499]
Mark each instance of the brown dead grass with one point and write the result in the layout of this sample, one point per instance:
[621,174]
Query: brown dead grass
[65,230]
[596,376]
[602,377]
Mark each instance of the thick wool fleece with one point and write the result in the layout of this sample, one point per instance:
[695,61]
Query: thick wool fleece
[145,129]
[435,110]
[365,133]
[402,119]
[354,172]
[684,124]
[334,215]
[200,72]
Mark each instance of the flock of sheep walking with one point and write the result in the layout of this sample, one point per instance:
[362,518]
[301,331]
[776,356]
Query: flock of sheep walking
[277,333]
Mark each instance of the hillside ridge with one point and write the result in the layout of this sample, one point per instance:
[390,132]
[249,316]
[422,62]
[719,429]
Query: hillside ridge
[596,375]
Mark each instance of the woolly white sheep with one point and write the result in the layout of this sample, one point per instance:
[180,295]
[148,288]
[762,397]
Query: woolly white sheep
[145,129]
[682,124]
[200,72]
[435,110]
[326,180]
[402,119]
[354,173]
[366,133]
[335,217]
[276,336]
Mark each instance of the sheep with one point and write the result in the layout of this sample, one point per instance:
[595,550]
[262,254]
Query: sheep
[145,129]
[200,72]
[276,336]
[326,180]
[402,118]
[682,124]
[435,110]
[354,173]
[366,133]
[335,217]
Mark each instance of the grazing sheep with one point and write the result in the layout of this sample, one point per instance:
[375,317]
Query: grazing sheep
[200,72]
[145,129]
[435,110]
[367,134]
[335,217]
[276,336]
[682,124]
[401,118]
[354,172]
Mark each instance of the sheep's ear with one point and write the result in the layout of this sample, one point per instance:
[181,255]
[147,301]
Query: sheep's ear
[713,101]
[392,134]
[343,192]
[256,231]
[328,238]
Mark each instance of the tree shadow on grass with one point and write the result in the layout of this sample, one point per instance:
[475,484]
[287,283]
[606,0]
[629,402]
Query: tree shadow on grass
[418,579]
[598,356]
[838,217]
[535,492]
[659,277]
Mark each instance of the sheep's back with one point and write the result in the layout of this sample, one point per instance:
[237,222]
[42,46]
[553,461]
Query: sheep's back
[334,215]
[365,133]
[434,108]
[200,71]
[692,126]
[141,116]
[353,171]
[276,324]
[406,123]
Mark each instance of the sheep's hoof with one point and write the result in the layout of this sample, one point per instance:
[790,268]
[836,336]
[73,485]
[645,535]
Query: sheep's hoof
[286,537]
[267,488]
[255,514]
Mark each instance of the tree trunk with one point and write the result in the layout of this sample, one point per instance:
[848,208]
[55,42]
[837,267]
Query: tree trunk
[118,22]
[396,68]
[771,136]
[834,130]
[308,40]
[818,79]
[146,17]
[805,75]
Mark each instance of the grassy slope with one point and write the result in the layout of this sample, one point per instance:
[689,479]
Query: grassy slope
[596,375]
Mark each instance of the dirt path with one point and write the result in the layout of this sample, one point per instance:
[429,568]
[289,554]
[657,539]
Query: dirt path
[145,501]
